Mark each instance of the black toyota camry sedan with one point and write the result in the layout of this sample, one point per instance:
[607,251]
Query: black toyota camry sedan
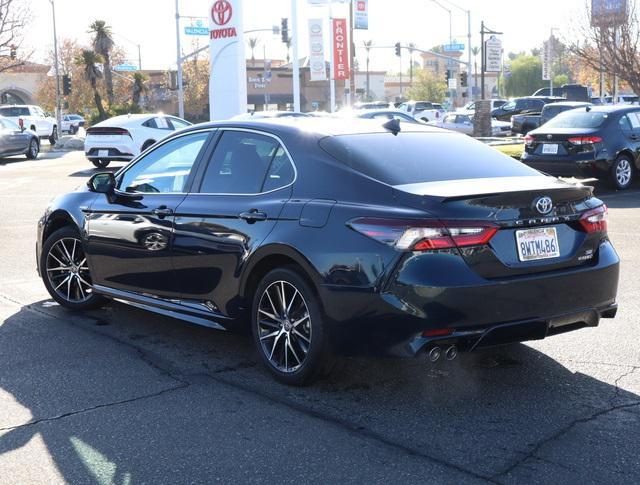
[327,236]
[594,141]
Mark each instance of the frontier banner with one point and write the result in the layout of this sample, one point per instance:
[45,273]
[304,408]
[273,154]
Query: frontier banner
[340,50]
[228,77]
[317,64]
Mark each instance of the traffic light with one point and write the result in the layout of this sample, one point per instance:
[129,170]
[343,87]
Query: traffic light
[13,51]
[447,75]
[463,79]
[284,30]
[397,46]
[66,85]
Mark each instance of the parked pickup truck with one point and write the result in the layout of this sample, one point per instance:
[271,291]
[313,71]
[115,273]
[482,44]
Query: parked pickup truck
[32,118]
[524,123]
[423,110]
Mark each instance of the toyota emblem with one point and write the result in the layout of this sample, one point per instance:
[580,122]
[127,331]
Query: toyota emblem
[221,12]
[543,204]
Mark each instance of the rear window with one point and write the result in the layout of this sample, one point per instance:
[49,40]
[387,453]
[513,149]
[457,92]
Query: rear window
[411,158]
[13,111]
[578,119]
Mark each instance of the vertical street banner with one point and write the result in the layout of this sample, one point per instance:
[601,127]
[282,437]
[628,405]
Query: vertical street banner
[546,55]
[228,76]
[317,64]
[361,14]
[340,50]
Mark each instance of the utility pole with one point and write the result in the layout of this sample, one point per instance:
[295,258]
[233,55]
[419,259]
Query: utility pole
[57,68]
[352,56]
[179,64]
[367,45]
[296,62]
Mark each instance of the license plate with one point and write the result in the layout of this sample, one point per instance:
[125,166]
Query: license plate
[103,153]
[550,149]
[539,243]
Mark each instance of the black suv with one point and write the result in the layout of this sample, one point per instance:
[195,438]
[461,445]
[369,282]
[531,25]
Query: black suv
[530,104]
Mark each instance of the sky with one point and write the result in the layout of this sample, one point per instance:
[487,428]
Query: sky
[151,23]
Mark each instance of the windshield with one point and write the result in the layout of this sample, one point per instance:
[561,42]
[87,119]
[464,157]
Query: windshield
[510,106]
[577,119]
[13,111]
[415,157]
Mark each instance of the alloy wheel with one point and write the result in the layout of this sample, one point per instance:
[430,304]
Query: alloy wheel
[68,271]
[623,172]
[284,326]
[33,149]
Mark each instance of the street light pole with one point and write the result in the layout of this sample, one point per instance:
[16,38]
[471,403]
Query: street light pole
[57,68]
[179,65]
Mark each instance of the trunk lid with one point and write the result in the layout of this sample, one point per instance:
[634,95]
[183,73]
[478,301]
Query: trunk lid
[511,203]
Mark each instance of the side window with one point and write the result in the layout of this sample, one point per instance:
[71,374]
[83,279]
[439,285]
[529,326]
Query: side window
[165,169]
[404,107]
[150,123]
[634,119]
[162,123]
[246,163]
[624,123]
[178,124]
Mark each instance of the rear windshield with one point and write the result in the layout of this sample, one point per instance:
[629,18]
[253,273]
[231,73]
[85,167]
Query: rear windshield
[577,119]
[411,158]
[12,111]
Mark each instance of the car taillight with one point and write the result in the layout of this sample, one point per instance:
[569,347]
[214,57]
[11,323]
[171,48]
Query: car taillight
[595,220]
[416,235]
[437,114]
[99,130]
[20,123]
[528,140]
[584,140]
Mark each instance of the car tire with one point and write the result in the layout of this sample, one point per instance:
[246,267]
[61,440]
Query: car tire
[146,145]
[65,271]
[54,136]
[291,338]
[622,172]
[33,149]
[100,163]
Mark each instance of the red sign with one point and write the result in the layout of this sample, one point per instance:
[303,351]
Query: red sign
[340,50]
[221,12]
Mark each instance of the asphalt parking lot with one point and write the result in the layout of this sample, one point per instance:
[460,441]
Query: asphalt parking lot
[122,396]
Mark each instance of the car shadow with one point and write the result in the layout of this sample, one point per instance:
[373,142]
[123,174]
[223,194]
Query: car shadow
[484,412]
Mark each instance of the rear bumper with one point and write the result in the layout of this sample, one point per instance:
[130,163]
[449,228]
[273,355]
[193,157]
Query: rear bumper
[121,150]
[436,291]
[581,165]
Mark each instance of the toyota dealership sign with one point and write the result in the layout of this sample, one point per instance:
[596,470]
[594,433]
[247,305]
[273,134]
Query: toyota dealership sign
[227,86]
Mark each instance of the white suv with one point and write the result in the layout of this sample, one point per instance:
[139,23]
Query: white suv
[32,118]
[423,110]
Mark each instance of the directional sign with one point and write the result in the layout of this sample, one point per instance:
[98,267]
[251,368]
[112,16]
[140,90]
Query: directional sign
[608,13]
[493,54]
[125,67]
[191,30]
[453,47]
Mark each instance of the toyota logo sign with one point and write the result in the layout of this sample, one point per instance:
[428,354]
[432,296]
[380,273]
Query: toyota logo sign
[543,205]
[221,12]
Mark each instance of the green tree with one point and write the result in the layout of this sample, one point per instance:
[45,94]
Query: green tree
[102,45]
[526,76]
[88,60]
[560,80]
[426,85]
[139,88]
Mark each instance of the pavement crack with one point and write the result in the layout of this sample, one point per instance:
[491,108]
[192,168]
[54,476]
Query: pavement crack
[95,407]
[533,454]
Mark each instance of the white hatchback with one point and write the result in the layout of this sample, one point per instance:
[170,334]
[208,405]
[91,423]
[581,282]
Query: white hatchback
[122,138]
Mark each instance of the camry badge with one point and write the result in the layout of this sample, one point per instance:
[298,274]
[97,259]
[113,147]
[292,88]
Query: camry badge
[543,204]
[549,137]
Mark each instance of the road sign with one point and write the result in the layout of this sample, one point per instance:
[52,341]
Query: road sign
[493,54]
[192,30]
[453,47]
[453,83]
[125,67]
[609,13]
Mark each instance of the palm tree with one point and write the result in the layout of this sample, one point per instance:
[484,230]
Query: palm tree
[88,60]
[139,88]
[102,45]
[475,51]
[253,43]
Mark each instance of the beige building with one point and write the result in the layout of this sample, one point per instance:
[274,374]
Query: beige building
[20,84]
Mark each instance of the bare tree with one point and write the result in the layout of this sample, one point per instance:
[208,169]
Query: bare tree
[598,47]
[14,18]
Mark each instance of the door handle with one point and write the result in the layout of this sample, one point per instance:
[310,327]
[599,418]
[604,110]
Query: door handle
[162,211]
[253,215]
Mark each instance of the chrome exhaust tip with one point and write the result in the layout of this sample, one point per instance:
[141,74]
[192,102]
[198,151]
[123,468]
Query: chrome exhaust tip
[451,352]
[434,354]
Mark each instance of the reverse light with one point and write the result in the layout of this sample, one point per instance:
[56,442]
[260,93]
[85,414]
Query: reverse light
[584,140]
[595,220]
[413,235]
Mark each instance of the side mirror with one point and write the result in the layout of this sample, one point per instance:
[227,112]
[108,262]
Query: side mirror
[102,183]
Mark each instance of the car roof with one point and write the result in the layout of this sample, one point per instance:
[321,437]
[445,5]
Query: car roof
[320,126]
[130,118]
[577,104]
[614,108]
